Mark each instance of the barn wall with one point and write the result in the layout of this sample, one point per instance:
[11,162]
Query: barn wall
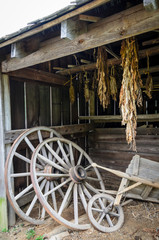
[108,147]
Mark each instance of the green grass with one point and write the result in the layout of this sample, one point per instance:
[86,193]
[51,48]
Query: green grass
[30,233]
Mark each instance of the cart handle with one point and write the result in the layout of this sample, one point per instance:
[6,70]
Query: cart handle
[127,176]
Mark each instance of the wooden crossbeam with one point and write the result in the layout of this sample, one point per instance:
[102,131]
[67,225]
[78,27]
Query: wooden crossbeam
[131,22]
[56,21]
[88,18]
[117,118]
[113,61]
[38,75]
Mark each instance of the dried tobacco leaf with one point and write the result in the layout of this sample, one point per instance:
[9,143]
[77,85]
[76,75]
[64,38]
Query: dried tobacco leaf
[86,91]
[149,81]
[130,92]
[113,84]
[149,86]
[71,92]
[103,79]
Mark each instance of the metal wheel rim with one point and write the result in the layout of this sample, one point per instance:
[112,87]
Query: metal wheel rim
[78,188]
[8,171]
[107,215]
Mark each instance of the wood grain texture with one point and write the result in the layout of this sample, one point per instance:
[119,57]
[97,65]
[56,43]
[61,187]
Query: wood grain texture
[38,75]
[56,21]
[131,22]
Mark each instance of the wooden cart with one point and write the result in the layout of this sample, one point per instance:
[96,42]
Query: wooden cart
[140,181]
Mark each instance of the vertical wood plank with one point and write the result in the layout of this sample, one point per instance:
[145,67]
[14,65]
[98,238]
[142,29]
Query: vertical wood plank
[7,127]
[3,200]
[44,106]
[32,99]
[56,106]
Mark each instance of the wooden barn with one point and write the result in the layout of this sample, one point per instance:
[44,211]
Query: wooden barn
[69,72]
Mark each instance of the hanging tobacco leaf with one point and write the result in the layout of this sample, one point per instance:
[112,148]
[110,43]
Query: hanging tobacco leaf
[103,79]
[149,81]
[71,92]
[113,84]
[130,92]
[86,88]
[149,86]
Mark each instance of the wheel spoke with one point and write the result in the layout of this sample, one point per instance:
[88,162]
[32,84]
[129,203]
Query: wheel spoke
[63,153]
[63,204]
[87,193]
[101,217]
[97,209]
[53,195]
[57,157]
[90,187]
[93,179]
[52,175]
[57,187]
[88,167]
[25,174]
[27,160]
[41,140]
[109,220]
[55,165]
[46,190]
[29,144]
[83,199]
[80,158]
[71,155]
[35,198]
[114,214]
[75,203]
[26,189]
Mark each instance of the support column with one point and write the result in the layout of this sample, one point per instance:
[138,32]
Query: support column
[3,199]
[7,127]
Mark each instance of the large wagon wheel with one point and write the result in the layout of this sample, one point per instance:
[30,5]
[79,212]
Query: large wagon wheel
[20,155]
[69,169]
[103,215]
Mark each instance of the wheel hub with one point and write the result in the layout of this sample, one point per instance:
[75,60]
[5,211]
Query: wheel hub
[77,174]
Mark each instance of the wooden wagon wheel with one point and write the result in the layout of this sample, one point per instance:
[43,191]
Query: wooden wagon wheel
[103,215]
[68,168]
[20,154]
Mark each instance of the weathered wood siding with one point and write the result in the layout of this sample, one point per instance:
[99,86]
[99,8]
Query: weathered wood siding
[108,147]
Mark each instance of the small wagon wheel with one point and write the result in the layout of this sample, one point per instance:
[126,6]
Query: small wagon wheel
[103,215]
[20,154]
[70,169]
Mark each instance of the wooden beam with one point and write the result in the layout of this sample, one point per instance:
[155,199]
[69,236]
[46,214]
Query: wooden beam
[88,18]
[130,22]
[11,136]
[38,75]
[89,67]
[72,28]
[3,199]
[7,127]
[149,42]
[117,118]
[41,28]
[151,5]
[151,70]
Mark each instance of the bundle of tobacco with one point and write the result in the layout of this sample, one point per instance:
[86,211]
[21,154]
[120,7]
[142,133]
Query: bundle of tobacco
[113,85]
[103,79]
[130,92]
[149,81]
[86,88]
[71,91]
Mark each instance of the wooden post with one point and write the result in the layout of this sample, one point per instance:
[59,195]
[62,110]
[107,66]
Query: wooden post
[3,200]
[7,127]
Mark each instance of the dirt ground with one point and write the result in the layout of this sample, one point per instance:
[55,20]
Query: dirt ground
[141,223]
